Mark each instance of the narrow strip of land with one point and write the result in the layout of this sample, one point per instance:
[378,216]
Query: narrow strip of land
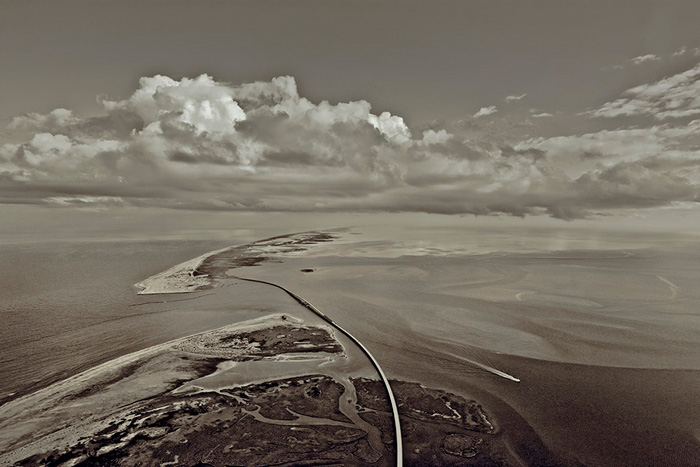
[394,408]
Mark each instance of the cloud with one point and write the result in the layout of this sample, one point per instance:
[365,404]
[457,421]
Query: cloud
[686,50]
[197,143]
[201,103]
[644,59]
[577,153]
[58,118]
[102,201]
[514,97]
[484,111]
[638,167]
[680,52]
[677,96]
[636,61]
[535,153]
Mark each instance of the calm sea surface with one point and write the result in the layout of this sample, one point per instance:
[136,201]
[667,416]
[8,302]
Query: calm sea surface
[66,306]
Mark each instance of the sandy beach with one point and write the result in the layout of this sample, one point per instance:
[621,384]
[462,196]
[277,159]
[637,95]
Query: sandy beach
[178,279]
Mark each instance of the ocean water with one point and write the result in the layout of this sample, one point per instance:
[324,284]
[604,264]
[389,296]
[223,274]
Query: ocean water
[600,327]
[66,306]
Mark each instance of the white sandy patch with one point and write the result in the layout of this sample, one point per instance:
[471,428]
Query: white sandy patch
[178,279]
[45,397]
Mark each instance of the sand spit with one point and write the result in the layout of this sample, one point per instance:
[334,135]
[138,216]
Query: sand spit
[51,395]
[203,271]
[178,279]
[59,416]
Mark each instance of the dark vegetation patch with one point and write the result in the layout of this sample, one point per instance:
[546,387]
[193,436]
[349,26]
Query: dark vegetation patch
[433,434]
[216,266]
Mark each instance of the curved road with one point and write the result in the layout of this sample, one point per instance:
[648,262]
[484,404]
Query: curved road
[392,400]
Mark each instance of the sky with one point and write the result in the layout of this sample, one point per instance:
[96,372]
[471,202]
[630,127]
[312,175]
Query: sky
[586,110]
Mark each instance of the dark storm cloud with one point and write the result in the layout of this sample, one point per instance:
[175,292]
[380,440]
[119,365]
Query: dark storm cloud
[588,155]
[634,185]
[533,153]
[287,158]
[202,144]
[200,158]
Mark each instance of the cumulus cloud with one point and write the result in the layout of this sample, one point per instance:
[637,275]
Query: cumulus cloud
[515,97]
[636,61]
[57,118]
[484,111]
[676,96]
[695,51]
[644,59]
[680,52]
[197,143]
[638,167]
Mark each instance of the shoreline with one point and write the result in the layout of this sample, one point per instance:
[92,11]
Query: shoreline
[189,276]
[175,280]
[132,404]
[179,278]
[124,360]
[32,408]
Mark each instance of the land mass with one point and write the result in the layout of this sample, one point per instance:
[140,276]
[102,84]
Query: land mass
[203,417]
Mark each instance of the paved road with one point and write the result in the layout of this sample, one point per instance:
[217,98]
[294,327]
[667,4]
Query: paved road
[394,408]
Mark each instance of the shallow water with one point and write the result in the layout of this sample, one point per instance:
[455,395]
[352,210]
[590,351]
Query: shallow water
[606,350]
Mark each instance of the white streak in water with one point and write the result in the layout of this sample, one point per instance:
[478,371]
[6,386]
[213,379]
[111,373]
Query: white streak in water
[493,370]
[674,288]
[488,368]
[519,296]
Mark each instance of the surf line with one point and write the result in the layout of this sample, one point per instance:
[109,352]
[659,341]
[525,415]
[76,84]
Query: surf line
[394,407]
